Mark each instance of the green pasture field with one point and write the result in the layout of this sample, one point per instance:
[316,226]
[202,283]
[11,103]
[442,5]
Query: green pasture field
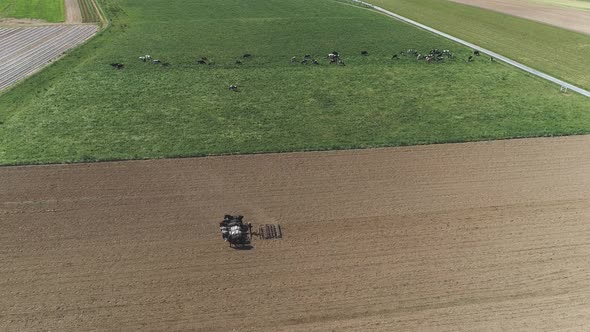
[82,109]
[558,52]
[47,10]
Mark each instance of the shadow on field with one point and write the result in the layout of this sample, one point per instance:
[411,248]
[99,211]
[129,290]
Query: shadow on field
[244,247]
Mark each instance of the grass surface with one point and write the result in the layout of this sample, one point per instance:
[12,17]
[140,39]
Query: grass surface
[558,52]
[88,12]
[48,10]
[81,109]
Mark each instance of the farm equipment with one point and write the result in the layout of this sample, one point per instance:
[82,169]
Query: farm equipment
[269,231]
[239,234]
[235,231]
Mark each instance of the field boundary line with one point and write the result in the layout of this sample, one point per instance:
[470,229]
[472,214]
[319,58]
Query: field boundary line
[101,17]
[478,48]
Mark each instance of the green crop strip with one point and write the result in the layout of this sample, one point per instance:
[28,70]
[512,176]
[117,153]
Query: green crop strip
[47,10]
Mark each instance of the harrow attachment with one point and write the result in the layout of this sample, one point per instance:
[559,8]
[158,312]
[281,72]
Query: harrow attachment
[239,233]
[269,231]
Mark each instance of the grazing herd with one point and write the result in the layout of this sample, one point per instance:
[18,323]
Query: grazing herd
[435,55]
[333,58]
[477,53]
[148,58]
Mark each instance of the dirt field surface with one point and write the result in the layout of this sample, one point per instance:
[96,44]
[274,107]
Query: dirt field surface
[460,237]
[73,14]
[563,17]
[22,22]
[23,51]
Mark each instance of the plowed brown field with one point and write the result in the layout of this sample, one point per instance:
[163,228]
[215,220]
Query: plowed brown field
[570,18]
[474,237]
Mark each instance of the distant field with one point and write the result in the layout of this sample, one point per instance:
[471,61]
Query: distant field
[82,109]
[578,4]
[558,52]
[569,18]
[47,10]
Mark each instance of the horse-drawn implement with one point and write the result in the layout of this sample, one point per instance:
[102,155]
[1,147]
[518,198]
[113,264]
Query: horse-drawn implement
[235,231]
[269,231]
[239,234]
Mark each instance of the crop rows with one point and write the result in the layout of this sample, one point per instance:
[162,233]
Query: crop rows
[25,50]
[88,11]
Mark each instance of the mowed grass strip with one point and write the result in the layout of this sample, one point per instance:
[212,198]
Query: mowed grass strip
[81,109]
[47,10]
[558,52]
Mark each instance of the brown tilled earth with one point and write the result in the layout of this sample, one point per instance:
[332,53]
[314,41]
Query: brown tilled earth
[461,237]
[22,22]
[563,17]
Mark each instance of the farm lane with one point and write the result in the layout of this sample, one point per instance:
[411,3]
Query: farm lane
[481,49]
[455,237]
[73,13]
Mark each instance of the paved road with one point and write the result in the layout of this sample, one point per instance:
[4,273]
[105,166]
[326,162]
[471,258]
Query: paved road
[481,49]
